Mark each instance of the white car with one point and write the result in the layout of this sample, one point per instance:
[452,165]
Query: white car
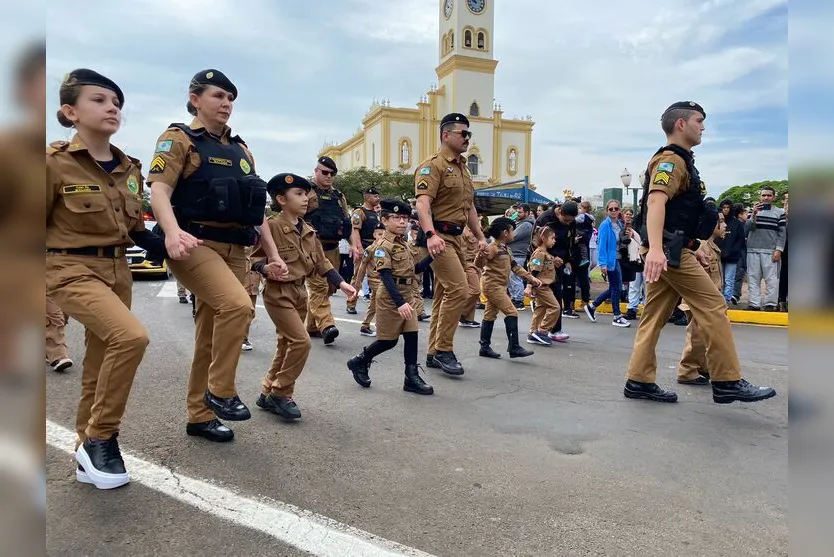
[140,265]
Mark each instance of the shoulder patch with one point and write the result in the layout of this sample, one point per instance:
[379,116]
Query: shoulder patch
[666,167]
[536,261]
[157,164]
[164,146]
[379,252]
[422,185]
[425,171]
[661,178]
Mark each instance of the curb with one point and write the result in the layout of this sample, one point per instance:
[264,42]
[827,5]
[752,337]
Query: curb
[768,318]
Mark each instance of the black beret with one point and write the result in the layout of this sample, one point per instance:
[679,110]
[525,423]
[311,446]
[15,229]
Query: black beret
[687,105]
[454,118]
[371,191]
[329,163]
[396,206]
[282,182]
[379,226]
[215,77]
[83,76]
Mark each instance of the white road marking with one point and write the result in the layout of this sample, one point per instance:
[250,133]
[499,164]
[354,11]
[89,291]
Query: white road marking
[302,529]
[168,290]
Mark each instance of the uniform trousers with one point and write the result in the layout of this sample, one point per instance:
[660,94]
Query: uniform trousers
[694,355]
[286,304]
[56,345]
[546,311]
[449,294]
[473,285]
[319,290]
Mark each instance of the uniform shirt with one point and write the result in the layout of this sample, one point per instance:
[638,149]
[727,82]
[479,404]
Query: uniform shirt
[313,199]
[357,217]
[392,252]
[86,206]
[366,266]
[445,178]
[545,264]
[176,156]
[298,247]
[498,261]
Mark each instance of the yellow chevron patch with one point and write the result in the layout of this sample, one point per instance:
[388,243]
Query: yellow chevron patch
[661,178]
[157,164]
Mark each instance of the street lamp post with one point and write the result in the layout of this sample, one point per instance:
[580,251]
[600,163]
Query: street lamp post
[626,179]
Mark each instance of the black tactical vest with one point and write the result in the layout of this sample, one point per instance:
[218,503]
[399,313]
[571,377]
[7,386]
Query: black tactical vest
[685,211]
[366,233]
[224,188]
[329,219]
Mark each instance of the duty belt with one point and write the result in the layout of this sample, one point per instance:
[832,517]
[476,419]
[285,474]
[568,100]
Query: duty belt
[449,228]
[110,252]
[242,236]
[404,280]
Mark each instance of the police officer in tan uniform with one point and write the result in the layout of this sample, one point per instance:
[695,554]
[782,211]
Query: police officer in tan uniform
[445,204]
[676,218]
[286,300]
[328,213]
[364,221]
[93,213]
[205,193]
[395,315]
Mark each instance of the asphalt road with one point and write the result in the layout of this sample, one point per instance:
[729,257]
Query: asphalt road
[540,456]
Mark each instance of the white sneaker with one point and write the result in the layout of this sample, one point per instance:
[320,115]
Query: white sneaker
[246,346]
[621,321]
[59,366]
[561,336]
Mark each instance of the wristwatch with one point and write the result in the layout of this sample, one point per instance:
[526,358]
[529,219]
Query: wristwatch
[430,233]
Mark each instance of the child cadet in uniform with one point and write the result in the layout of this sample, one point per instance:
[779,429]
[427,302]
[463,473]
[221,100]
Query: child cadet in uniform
[366,267]
[543,266]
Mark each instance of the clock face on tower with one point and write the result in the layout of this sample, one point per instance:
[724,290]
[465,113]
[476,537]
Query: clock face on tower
[477,6]
[447,8]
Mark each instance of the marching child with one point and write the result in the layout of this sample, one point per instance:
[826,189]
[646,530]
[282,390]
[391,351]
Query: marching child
[366,267]
[498,261]
[286,300]
[543,266]
[693,367]
[394,313]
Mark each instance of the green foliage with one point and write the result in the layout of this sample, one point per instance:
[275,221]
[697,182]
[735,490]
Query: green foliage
[739,194]
[390,184]
[146,200]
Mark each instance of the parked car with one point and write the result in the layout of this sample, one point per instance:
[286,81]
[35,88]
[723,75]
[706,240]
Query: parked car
[140,265]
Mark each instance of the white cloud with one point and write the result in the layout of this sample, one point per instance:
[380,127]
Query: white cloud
[595,78]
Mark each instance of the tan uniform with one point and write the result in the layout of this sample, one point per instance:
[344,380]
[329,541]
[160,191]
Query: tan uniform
[357,219]
[547,309]
[694,356]
[319,314]
[473,274]
[87,207]
[392,253]
[215,272]
[445,178]
[252,284]
[690,281]
[498,261]
[56,344]
[286,301]
[366,266]
[416,299]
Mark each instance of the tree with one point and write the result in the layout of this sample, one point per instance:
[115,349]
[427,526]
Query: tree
[748,194]
[389,184]
[146,200]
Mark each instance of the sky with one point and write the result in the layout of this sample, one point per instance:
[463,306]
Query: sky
[595,79]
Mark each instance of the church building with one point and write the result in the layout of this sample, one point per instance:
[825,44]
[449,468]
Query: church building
[393,138]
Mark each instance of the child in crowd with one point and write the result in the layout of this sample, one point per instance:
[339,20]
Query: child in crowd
[543,266]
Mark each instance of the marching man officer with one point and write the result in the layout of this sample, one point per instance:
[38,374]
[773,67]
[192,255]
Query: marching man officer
[445,205]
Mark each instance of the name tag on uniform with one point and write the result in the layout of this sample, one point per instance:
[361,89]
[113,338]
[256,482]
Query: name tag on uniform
[221,162]
[326,197]
[80,188]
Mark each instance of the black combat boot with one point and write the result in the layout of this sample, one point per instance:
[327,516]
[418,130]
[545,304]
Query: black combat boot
[414,383]
[514,348]
[360,365]
[486,338]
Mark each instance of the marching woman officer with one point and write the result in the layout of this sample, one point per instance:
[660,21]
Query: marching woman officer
[204,191]
[93,213]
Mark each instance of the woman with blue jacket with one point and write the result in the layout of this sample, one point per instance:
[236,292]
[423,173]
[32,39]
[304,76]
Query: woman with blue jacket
[609,264]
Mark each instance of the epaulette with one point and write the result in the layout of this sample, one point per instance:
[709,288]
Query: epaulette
[57,147]
[134,160]
[237,139]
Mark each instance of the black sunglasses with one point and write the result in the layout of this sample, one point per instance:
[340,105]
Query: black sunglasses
[466,134]
[328,172]
[613,209]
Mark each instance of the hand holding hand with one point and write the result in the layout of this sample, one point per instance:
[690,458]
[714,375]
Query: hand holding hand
[405,311]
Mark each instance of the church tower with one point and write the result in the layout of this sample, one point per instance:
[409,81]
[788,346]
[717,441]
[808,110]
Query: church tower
[466,73]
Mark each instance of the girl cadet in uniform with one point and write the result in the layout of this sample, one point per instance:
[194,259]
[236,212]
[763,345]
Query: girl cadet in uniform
[366,268]
[543,266]
[204,188]
[93,213]
[394,313]
[286,300]
[498,261]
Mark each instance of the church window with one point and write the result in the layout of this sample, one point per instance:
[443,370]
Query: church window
[472,163]
[467,38]
[481,41]
[451,40]
[474,110]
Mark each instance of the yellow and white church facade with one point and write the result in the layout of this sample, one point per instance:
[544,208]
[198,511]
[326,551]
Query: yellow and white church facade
[392,138]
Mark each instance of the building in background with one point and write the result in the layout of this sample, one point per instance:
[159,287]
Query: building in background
[392,138]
